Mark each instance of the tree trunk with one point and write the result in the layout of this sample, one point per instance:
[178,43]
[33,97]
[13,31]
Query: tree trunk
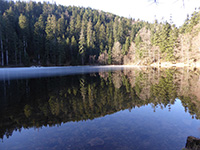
[71,52]
[7,53]
[159,55]
[20,58]
[82,60]
[7,57]
[39,59]
[182,52]
[188,57]
[24,42]
[2,54]
[15,57]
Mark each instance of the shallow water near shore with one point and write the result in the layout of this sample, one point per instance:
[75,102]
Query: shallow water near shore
[138,108]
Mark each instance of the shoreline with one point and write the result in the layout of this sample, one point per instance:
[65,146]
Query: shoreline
[156,65]
[179,65]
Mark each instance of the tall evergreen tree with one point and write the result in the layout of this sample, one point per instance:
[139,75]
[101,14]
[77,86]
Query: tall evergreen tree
[90,37]
[82,44]
[78,25]
[72,26]
[121,32]
[102,37]
[74,49]
[9,35]
[1,40]
[115,30]
[39,39]
[116,53]
[51,40]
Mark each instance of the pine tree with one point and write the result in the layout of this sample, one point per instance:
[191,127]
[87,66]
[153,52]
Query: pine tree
[90,35]
[23,24]
[61,40]
[73,49]
[116,53]
[102,37]
[138,40]
[82,44]
[97,32]
[185,25]
[115,30]
[68,51]
[78,25]
[72,26]
[39,39]
[172,41]
[51,39]
[61,27]
[121,34]
[1,40]
[127,45]
[9,36]
[164,37]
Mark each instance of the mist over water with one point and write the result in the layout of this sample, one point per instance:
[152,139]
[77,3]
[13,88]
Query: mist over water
[38,72]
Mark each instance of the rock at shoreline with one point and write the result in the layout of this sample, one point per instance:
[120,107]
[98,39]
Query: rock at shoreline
[192,143]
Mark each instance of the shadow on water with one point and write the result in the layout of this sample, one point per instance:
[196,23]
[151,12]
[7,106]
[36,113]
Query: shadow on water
[95,100]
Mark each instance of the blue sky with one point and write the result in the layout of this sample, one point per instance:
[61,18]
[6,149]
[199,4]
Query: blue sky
[142,9]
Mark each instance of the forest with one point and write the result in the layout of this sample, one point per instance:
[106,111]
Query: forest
[48,34]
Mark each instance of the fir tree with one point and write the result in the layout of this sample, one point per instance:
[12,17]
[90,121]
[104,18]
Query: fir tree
[82,44]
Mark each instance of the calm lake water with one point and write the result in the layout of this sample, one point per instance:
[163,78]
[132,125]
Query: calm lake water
[98,108]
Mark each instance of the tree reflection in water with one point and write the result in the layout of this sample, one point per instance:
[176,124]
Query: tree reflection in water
[55,100]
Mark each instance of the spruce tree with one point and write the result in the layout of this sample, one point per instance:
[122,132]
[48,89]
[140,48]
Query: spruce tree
[102,37]
[82,44]
[89,35]
[73,50]
[39,39]
[116,53]
[1,40]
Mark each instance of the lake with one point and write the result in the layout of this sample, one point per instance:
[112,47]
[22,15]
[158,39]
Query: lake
[98,108]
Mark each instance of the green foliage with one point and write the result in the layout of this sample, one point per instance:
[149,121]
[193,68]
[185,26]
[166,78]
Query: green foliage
[48,34]
[126,46]
[27,110]
[23,24]
[190,22]
[82,44]
[116,53]
[138,40]
[165,36]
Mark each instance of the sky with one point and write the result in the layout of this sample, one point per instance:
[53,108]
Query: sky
[143,9]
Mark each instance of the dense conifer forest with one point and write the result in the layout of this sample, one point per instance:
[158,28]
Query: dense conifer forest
[49,34]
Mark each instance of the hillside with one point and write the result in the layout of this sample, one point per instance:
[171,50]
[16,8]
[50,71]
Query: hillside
[48,34]
[162,44]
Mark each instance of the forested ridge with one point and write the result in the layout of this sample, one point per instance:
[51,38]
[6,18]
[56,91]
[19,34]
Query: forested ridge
[49,34]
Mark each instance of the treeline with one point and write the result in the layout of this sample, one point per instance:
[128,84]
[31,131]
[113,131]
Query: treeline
[48,34]
[164,42]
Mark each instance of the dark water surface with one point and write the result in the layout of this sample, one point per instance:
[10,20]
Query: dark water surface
[111,109]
